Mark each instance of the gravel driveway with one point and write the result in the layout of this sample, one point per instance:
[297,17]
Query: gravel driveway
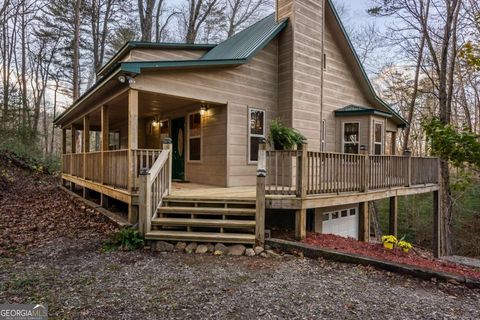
[77,280]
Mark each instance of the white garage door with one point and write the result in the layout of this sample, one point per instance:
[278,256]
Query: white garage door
[342,222]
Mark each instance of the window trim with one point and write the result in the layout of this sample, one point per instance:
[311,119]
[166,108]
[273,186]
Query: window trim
[250,135]
[382,142]
[190,137]
[343,135]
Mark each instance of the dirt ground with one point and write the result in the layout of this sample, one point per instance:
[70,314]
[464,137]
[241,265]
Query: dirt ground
[50,252]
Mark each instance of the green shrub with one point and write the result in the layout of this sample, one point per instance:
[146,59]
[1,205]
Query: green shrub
[283,137]
[125,239]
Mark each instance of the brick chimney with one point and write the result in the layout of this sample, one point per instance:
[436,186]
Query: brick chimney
[301,66]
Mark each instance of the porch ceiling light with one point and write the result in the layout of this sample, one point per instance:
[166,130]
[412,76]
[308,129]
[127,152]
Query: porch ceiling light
[203,109]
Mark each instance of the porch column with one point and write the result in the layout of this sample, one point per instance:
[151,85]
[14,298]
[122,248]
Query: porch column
[64,151]
[104,147]
[86,148]
[132,145]
[73,149]
[364,222]
[132,133]
[393,216]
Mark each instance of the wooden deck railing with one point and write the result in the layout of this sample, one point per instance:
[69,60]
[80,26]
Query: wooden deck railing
[328,172]
[154,185]
[67,163]
[115,168]
[142,158]
[114,173]
[93,169]
[424,170]
[77,165]
[388,171]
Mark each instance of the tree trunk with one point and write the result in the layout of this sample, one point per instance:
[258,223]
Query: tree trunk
[76,52]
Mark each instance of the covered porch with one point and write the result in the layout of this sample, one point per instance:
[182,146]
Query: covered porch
[105,149]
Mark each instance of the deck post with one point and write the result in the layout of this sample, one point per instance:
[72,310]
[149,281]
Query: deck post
[364,222]
[86,149]
[64,151]
[366,167]
[142,201]
[408,154]
[302,180]
[104,147]
[167,145]
[73,147]
[260,196]
[393,216]
[437,218]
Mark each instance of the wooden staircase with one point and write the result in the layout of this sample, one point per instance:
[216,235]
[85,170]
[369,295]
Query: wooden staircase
[202,220]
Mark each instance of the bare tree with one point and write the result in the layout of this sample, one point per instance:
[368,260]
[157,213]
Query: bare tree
[194,16]
[240,12]
[76,52]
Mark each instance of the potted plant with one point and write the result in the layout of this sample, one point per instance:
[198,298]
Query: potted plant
[389,242]
[283,137]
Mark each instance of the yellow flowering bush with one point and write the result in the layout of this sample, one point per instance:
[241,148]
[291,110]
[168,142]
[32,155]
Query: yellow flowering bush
[406,246]
[389,242]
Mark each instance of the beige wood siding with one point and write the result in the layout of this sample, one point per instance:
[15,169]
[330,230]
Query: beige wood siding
[162,54]
[251,85]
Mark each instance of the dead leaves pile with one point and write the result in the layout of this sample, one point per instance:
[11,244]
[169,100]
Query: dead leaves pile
[34,211]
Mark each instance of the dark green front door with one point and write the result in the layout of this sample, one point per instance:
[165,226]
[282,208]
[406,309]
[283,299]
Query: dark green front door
[178,147]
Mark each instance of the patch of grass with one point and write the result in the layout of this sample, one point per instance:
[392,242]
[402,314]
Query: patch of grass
[125,239]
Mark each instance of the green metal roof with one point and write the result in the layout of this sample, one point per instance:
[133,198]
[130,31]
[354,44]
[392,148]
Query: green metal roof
[247,42]
[353,110]
[404,123]
[150,45]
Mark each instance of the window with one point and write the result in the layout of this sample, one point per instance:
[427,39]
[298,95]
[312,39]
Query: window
[194,136]
[256,131]
[351,137]
[324,135]
[378,138]
[164,130]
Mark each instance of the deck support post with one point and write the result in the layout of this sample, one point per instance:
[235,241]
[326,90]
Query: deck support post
[437,217]
[104,147]
[142,201]
[364,222]
[86,149]
[260,195]
[64,151]
[393,216]
[302,180]
[132,143]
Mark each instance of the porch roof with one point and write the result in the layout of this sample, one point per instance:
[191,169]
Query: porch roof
[353,110]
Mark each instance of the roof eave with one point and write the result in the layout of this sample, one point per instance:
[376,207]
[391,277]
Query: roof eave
[129,45]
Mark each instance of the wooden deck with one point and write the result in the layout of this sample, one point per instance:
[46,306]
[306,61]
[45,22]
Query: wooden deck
[206,192]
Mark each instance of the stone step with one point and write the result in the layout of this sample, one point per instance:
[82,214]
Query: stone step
[200,236]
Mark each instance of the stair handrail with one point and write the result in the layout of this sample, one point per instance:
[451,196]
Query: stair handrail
[155,184]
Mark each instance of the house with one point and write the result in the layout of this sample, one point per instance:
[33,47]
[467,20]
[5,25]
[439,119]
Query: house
[175,132]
